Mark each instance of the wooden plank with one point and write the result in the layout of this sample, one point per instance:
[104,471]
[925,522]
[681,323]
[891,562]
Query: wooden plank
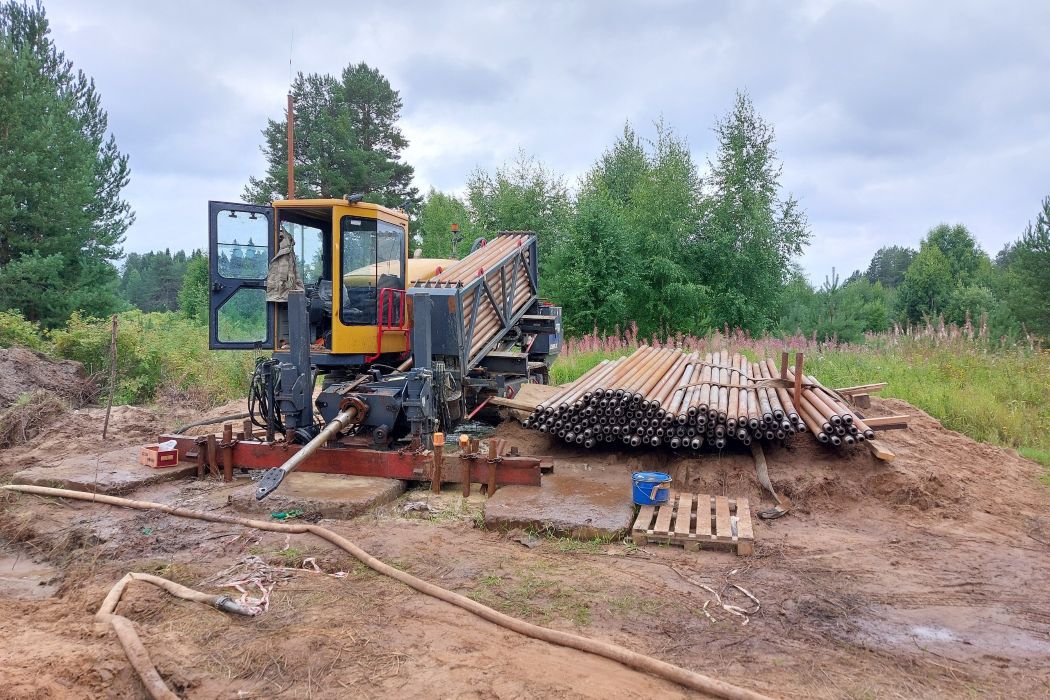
[880,450]
[887,422]
[529,396]
[796,395]
[862,389]
[744,529]
[703,516]
[513,403]
[683,519]
[663,518]
[642,523]
[723,528]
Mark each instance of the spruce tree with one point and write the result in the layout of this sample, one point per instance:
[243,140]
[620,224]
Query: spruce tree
[1031,298]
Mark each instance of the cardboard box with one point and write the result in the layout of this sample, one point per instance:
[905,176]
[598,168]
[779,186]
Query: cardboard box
[154,457]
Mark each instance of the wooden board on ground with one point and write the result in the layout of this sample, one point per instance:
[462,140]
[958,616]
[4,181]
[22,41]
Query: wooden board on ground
[880,450]
[697,522]
[887,422]
[529,396]
[862,389]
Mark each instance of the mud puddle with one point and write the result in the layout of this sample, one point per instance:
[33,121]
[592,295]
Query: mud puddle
[958,632]
[21,577]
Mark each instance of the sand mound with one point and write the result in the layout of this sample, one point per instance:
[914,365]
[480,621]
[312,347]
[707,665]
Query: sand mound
[24,371]
[937,470]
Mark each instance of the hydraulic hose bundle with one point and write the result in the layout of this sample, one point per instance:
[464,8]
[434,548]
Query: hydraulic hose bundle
[262,396]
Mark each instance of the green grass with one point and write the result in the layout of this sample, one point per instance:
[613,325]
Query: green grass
[995,395]
[1001,397]
[531,596]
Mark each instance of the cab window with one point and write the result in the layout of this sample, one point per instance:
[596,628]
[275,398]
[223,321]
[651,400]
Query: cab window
[372,259]
[242,245]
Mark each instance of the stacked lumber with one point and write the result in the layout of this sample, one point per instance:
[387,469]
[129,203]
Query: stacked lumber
[684,400]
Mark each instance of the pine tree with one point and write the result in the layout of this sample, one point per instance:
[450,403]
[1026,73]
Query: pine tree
[347,141]
[889,264]
[1031,264]
[193,295]
[61,214]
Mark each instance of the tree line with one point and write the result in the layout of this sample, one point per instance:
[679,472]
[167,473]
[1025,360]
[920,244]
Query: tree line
[645,237]
[948,278]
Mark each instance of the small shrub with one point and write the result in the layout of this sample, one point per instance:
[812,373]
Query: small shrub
[16,331]
[161,354]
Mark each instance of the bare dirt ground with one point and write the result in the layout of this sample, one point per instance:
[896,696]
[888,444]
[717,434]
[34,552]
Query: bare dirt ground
[927,577]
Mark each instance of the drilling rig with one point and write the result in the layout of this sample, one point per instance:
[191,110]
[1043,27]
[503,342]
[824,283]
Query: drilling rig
[367,354]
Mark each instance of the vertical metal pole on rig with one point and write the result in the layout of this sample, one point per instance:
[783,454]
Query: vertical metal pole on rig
[291,147]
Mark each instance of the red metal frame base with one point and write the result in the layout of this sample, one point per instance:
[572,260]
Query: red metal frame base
[361,461]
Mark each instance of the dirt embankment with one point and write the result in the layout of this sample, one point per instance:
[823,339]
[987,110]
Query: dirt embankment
[925,577]
[24,371]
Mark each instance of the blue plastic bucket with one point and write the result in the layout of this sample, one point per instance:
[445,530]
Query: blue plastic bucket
[651,488]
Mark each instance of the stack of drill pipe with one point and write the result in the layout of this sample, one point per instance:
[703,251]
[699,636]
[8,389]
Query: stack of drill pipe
[830,419]
[484,262]
[669,397]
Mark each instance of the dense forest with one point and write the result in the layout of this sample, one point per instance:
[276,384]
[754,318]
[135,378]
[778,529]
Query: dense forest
[647,236]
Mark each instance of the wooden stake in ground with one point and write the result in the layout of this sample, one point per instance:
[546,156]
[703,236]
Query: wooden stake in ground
[112,374]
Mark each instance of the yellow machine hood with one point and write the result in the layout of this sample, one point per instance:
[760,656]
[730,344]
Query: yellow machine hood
[419,270]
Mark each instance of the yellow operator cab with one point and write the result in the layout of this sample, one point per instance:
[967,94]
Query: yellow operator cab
[352,258]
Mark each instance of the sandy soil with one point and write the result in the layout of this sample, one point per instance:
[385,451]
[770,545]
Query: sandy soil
[927,577]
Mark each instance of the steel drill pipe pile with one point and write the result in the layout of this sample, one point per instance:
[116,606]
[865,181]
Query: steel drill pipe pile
[485,262]
[687,401]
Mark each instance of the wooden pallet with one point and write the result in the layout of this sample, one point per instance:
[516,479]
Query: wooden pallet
[695,520]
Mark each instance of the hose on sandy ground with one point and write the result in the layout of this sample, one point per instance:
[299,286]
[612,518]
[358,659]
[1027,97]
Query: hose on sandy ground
[129,638]
[632,659]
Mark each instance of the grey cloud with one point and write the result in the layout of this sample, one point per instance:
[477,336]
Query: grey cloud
[890,116]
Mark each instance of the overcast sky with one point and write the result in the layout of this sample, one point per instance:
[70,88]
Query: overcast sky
[890,117]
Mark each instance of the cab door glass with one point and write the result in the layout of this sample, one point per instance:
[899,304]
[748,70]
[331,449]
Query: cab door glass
[309,250]
[358,270]
[372,259]
[242,239]
[242,318]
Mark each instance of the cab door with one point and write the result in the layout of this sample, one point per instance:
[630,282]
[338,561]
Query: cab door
[241,245]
